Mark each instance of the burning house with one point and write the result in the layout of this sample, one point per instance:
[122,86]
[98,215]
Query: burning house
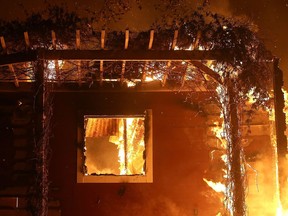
[187,121]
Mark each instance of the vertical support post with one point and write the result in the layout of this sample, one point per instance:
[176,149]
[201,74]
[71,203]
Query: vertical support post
[77,39]
[151,39]
[102,39]
[3,44]
[146,63]
[79,72]
[196,42]
[126,39]
[53,35]
[11,67]
[183,79]
[124,62]
[234,156]
[281,139]
[27,41]
[169,62]
[40,138]
[102,62]
[56,63]
[235,182]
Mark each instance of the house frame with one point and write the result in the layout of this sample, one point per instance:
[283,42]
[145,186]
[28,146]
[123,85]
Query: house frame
[195,57]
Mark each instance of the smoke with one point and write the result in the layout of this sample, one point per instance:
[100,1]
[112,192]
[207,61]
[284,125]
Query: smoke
[271,18]
[222,7]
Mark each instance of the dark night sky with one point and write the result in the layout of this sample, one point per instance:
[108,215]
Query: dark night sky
[270,15]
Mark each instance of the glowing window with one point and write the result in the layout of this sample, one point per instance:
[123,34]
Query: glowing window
[116,149]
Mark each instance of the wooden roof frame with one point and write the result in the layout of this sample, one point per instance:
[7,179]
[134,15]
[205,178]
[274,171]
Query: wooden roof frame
[193,56]
[117,55]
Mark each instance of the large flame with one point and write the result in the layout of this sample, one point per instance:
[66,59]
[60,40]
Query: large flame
[130,144]
[216,186]
[280,210]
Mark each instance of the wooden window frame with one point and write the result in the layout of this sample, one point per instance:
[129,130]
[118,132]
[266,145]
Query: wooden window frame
[146,178]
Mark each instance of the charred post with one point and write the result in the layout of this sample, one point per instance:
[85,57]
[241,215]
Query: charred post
[41,207]
[280,125]
[235,183]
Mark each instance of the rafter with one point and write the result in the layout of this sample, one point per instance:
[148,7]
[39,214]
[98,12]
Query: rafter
[207,71]
[11,67]
[124,62]
[149,48]
[169,62]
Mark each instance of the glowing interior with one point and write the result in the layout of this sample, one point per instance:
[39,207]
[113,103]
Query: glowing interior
[114,146]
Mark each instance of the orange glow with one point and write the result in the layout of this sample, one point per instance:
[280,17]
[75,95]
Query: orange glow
[218,130]
[216,186]
[286,104]
[149,79]
[128,136]
[130,83]
[279,210]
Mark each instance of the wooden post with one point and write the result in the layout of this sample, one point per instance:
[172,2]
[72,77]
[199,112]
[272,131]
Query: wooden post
[151,39]
[27,41]
[42,209]
[196,42]
[77,39]
[102,39]
[183,79]
[235,184]
[169,62]
[124,62]
[79,72]
[146,63]
[281,139]
[53,35]
[102,62]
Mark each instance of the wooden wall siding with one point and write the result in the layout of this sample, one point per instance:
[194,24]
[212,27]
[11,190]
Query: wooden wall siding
[180,158]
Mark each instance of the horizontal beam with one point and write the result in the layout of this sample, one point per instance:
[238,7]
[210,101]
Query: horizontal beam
[15,58]
[136,55]
[155,86]
[6,87]
[117,55]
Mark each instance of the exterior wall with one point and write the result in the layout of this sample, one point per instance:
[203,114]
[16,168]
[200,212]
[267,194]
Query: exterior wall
[180,159]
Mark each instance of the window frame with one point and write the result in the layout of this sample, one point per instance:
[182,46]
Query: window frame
[148,136]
